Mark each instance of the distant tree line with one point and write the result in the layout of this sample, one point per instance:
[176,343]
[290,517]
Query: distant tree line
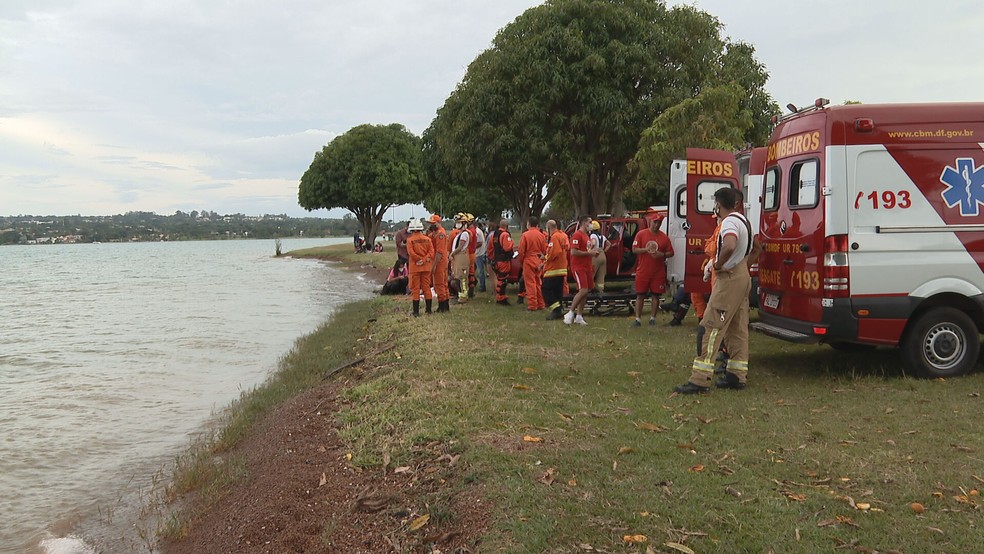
[148,226]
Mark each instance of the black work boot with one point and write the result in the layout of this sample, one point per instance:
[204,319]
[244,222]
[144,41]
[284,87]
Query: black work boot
[416,308]
[444,306]
[427,304]
[690,388]
[555,314]
[729,380]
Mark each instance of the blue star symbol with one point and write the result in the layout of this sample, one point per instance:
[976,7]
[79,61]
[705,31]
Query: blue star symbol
[965,186]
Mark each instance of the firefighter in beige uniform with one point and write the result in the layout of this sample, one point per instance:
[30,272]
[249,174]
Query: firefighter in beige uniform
[726,317]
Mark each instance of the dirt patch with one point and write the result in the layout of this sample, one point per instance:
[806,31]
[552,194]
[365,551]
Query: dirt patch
[304,495]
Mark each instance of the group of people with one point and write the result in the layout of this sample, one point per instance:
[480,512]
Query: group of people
[436,262]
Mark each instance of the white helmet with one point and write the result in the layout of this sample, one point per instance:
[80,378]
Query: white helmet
[415,225]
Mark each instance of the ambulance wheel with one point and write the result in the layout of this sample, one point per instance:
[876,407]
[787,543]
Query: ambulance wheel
[942,342]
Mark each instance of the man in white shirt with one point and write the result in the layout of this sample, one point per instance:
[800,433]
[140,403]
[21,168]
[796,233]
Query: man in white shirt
[726,316]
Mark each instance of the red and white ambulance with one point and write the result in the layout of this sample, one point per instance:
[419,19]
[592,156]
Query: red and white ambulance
[873,231]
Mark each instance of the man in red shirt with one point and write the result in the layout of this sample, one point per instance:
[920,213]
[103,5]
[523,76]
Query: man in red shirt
[651,247]
[582,268]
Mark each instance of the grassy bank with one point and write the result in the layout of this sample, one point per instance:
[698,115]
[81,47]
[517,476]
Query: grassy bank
[578,443]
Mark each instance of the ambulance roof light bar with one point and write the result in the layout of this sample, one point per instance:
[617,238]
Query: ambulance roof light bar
[818,104]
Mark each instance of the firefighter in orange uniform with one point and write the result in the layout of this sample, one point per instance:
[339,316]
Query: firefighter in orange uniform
[439,237]
[532,251]
[502,244]
[421,252]
[555,270]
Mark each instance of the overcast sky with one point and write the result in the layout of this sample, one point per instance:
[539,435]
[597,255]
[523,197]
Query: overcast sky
[108,106]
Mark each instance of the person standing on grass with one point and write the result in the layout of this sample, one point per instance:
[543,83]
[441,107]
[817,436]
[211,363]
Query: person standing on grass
[652,247]
[401,243]
[480,258]
[460,263]
[439,277]
[581,266]
[600,260]
[532,250]
[726,317]
[554,270]
[420,248]
[502,244]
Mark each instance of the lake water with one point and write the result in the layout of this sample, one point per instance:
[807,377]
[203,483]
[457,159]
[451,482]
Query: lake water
[114,356]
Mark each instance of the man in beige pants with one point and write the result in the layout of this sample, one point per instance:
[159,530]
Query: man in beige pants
[726,316]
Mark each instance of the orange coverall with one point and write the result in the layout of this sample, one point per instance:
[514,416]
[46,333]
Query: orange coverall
[439,237]
[421,252]
[532,250]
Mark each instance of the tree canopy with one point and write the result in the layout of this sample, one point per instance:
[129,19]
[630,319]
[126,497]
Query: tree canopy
[563,95]
[366,170]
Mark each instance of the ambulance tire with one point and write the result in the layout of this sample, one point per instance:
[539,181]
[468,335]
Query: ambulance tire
[941,342]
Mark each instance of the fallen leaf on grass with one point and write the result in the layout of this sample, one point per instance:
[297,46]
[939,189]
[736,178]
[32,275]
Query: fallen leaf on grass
[529,438]
[420,522]
[548,476]
[706,420]
[935,530]
[324,480]
[733,492]
[795,497]
[528,370]
[917,507]
[827,523]
[565,417]
[517,386]
[679,547]
[960,448]
[652,427]
[696,469]
[625,450]
[634,374]
[402,469]
[847,521]
[635,538]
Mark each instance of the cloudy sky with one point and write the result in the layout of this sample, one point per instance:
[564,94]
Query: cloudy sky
[108,106]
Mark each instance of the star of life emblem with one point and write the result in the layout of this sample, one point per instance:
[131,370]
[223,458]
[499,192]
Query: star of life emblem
[965,186]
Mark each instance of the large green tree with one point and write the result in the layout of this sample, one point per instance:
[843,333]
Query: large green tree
[564,93]
[367,170]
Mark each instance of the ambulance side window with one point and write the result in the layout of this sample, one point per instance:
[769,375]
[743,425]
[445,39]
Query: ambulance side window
[770,191]
[804,180]
[705,195]
[681,203]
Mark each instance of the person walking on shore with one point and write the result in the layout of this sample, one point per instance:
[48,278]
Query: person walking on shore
[420,248]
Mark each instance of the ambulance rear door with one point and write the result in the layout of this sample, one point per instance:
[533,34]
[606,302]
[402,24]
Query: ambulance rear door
[706,171]
[792,224]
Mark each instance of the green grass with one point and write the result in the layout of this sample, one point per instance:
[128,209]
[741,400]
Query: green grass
[775,467]
[815,431]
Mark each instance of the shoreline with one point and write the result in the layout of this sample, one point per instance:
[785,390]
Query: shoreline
[297,478]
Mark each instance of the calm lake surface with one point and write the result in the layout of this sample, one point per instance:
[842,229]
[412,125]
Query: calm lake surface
[114,356]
